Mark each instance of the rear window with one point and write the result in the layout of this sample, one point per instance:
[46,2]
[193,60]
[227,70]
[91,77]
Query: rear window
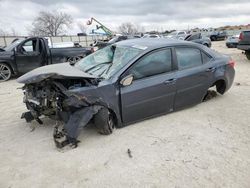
[188,57]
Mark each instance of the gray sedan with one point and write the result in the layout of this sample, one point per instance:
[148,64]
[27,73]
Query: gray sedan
[124,83]
[198,38]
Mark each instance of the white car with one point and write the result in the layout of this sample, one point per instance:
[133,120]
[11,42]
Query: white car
[151,36]
[181,35]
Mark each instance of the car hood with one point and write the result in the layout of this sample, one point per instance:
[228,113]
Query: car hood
[5,54]
[55,71]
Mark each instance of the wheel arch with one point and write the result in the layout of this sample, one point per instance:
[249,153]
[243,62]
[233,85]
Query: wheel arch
[221,85]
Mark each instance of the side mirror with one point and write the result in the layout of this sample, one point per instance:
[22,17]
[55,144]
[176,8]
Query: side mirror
[126,81]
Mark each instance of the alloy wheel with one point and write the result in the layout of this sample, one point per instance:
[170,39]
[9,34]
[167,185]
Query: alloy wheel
[5,72]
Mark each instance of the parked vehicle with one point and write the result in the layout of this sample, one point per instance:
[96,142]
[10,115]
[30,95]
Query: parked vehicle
[232,41]
[198,38]
[180,35]
[24,55]
[100,44]
[218,35]
[244,43]
[152,36]
[123,83]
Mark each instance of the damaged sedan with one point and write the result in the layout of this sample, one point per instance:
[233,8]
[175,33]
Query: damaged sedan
[123,83]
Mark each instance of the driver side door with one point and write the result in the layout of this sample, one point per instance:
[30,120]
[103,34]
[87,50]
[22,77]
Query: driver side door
[153,88]
[28,56]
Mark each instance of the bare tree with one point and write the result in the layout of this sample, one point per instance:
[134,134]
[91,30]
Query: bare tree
[82,27]
[11,32]
[2,32]
[128,28]
[140,28]
[14,32]
[51,23]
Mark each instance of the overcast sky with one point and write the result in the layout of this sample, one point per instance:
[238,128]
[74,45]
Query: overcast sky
[152,14]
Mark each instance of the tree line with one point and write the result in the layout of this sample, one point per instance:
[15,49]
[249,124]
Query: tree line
[55,23]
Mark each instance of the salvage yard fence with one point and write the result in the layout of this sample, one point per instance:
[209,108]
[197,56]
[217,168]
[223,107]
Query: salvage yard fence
[84,41]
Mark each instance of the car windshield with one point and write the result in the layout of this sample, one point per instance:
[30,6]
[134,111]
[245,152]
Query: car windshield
[13,45]
[107,61]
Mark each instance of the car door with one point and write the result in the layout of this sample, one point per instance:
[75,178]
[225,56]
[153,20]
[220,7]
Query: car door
[153,89]
[28,56]
[194,76]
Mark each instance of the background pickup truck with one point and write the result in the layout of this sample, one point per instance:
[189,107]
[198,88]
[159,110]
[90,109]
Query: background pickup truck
[244,43]
[25,55]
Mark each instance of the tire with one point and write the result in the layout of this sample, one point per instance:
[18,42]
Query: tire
[247,54]
[213,38]
[5,72]
[104,122]
[205,44]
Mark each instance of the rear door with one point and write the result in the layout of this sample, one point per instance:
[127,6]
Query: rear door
[28,55]
[194,75]
[153,89]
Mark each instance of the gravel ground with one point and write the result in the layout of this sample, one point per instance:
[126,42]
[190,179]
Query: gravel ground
[207,145]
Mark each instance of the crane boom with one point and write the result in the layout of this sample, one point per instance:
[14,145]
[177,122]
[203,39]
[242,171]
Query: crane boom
[103,27]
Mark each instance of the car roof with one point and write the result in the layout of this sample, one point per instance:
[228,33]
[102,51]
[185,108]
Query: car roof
[153,43]
[149,44]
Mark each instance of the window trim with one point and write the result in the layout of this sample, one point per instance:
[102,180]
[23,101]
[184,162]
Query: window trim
[126,72]
[207,55]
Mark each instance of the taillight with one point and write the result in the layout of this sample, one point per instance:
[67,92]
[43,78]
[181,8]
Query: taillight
[241,36]
[231,63]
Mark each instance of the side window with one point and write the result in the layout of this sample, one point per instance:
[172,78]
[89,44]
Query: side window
[188,57]
[181,33]
[29,46]
[205,57]
[155,63]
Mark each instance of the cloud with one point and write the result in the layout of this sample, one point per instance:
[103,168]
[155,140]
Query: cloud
[152,14]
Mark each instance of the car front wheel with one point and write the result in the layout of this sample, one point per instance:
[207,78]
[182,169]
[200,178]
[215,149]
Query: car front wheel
[104,121]
[5,72]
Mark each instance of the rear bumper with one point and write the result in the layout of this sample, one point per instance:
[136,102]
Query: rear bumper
[243,46]
[230,74]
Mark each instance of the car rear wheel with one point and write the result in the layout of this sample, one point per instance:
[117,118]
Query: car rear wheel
[205,44]
[213,38]
[248,55]
[5,72]
[104,122]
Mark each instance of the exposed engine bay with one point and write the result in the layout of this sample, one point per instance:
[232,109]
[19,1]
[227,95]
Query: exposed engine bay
[53,98]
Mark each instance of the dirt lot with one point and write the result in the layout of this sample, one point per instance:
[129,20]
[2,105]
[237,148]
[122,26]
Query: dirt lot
[207,145]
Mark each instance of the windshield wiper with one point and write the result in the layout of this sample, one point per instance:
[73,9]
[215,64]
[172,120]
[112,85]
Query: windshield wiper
[91,68]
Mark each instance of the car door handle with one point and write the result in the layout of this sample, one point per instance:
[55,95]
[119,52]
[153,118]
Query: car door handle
[170,81]
[211,69]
